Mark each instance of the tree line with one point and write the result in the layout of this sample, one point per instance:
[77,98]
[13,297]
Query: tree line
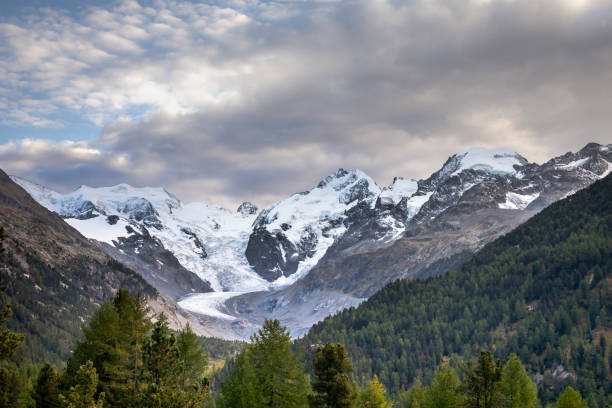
[268,373]
[541,292]
[124,360]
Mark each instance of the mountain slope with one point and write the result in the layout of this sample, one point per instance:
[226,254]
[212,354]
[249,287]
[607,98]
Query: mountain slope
[325,249]
[475,197]
[542,291]
[56,278]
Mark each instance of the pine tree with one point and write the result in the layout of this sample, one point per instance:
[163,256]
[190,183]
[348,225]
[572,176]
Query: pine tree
[481,383]
[112,341]
[267,373]
[82,394]
[445,390]
[280,375]
[134,324]
[570,398]
[516,389]
[332,386]
[239,390]
[415,396]
[46,388]
[374,395]
[161,356]
[11,386]
[191,358]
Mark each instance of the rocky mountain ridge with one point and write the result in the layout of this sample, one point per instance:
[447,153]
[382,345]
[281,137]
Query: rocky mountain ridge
[325,249]
[55,279]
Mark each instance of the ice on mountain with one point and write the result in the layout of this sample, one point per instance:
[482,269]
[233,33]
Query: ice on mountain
[399,189]
[494,161]
[516,201]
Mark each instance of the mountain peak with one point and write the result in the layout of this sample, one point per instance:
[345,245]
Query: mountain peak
[247,208]
[340,176]
[494,161]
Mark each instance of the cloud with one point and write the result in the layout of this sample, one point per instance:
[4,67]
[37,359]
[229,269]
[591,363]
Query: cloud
[229,101]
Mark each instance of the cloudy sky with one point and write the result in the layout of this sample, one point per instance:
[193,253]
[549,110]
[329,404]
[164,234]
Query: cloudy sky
[234,100]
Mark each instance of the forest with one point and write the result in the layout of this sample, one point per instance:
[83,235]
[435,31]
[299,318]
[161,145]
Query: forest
[126,360]
[542,292]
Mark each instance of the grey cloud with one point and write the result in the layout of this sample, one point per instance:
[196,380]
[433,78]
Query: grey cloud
[393,89]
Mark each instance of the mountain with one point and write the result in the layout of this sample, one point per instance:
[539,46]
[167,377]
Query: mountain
[56,278]
[440,222]
[542,291]
[325,249]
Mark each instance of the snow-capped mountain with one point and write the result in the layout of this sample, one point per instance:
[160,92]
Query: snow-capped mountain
[325,249]
[290,237]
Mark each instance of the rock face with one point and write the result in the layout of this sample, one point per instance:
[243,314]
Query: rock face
[290,236]
[247,208]
[325,249]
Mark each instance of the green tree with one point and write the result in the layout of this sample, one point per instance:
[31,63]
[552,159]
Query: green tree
[374,395]
[516,389]
[113,342]
[570,398]
[191,358]
[481,383]
[133,326]
[46,388]
[239,389]
[279,373]
[11,386]
[272,375]
[332,386]
[445,389]
[161,367]
[415,396]
[82,394]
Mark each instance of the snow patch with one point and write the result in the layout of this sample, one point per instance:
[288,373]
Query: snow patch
[573,165]
[399,189]
[99,229]
[415,203]
[494,161]
[516,201]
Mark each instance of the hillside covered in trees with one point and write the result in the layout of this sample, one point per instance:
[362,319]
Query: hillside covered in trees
[542,292]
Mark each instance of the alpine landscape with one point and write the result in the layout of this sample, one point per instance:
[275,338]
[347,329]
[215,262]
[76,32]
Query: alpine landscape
[305,204]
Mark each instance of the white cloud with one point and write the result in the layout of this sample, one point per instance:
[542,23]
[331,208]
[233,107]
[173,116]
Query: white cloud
[255,100]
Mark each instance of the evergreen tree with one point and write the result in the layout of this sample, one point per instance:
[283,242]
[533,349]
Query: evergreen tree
[11,386]
[279,374]
[46,388]
[161,367]
[82,394]
[191,358]
[267,373]
[134,324]
[113,342]
[481,383]
[516,389]
[374,395]
[570,398]
[239,388]
[332,386]
[445,390]
[415,396]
